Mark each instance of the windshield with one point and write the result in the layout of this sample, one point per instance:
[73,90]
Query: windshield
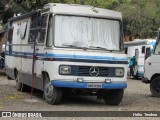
[157,48]
[87,32]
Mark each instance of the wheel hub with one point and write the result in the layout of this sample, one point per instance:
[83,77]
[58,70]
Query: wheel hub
[17,81]
[49,90]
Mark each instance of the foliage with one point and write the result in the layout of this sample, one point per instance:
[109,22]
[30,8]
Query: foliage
[14,7]
[142,17]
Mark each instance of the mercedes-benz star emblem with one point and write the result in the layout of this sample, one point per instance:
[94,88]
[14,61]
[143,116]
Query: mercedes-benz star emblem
[94,71]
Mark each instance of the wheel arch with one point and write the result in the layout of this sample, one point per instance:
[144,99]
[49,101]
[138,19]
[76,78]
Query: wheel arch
[154,76]
[44,74]
[15,73]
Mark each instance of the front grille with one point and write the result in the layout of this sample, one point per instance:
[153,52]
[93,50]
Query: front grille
[103,71]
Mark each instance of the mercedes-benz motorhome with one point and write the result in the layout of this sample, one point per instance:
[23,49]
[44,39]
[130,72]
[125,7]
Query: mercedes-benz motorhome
[68,48]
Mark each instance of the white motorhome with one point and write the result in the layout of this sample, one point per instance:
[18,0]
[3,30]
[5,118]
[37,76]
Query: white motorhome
[68,47]
[138,48]
[152,70]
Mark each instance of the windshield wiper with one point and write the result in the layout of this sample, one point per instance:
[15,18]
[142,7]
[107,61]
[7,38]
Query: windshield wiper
[100,48]
[69,45]
[74,46]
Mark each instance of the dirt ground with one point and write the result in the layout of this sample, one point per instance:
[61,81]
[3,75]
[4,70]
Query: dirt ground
[137,97]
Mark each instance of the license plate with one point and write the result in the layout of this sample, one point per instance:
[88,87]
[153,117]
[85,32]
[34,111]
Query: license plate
[94,85]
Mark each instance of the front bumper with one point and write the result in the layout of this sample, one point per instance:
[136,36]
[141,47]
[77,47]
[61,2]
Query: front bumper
[145,80]
[69,84]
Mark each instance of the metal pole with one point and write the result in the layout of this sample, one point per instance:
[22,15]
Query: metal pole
[34,53]
[7,31]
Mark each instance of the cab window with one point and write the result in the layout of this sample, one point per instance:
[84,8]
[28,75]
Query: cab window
[32,29]
[157,49]
[126,50]
[148,53]
[143,49]
[43,29]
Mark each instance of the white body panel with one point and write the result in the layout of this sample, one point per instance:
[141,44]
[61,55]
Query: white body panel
[152,66]
[82,10]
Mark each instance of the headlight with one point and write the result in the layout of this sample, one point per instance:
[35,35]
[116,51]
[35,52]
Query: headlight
[65,70]
[119,72]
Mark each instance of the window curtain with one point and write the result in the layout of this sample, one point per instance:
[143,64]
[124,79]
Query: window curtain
[84,32]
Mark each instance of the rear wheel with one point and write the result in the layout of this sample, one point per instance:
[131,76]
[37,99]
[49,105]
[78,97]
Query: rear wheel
[9,78]
[113,97]
[155,87]
[52,95]
[136,76]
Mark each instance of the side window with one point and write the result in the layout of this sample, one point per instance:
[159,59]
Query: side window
[49,41]
[43,30]
[126,50]
[157,48]
[10,35]
[23,29]
[143,49]
[136,53]
[32,29]
[148,53]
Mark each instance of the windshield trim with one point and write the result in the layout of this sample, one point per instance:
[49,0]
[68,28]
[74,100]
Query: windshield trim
[157,41]
[121,43]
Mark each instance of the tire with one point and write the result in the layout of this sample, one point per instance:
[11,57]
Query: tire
[9,78]
[155,87]
[52,95]
[113,97]
[136,77]
[19,85]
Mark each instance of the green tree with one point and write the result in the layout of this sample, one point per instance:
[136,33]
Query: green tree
[141,16]
[13,7]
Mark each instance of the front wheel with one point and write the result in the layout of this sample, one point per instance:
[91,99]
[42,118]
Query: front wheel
[113,97]
[155,87]
[52,95]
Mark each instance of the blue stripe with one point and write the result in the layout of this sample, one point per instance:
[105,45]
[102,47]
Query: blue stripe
[67,84]
[71,58]
[84,57]
[22,53]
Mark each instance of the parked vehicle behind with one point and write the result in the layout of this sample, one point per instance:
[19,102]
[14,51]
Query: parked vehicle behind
[139,48]
[152,69]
